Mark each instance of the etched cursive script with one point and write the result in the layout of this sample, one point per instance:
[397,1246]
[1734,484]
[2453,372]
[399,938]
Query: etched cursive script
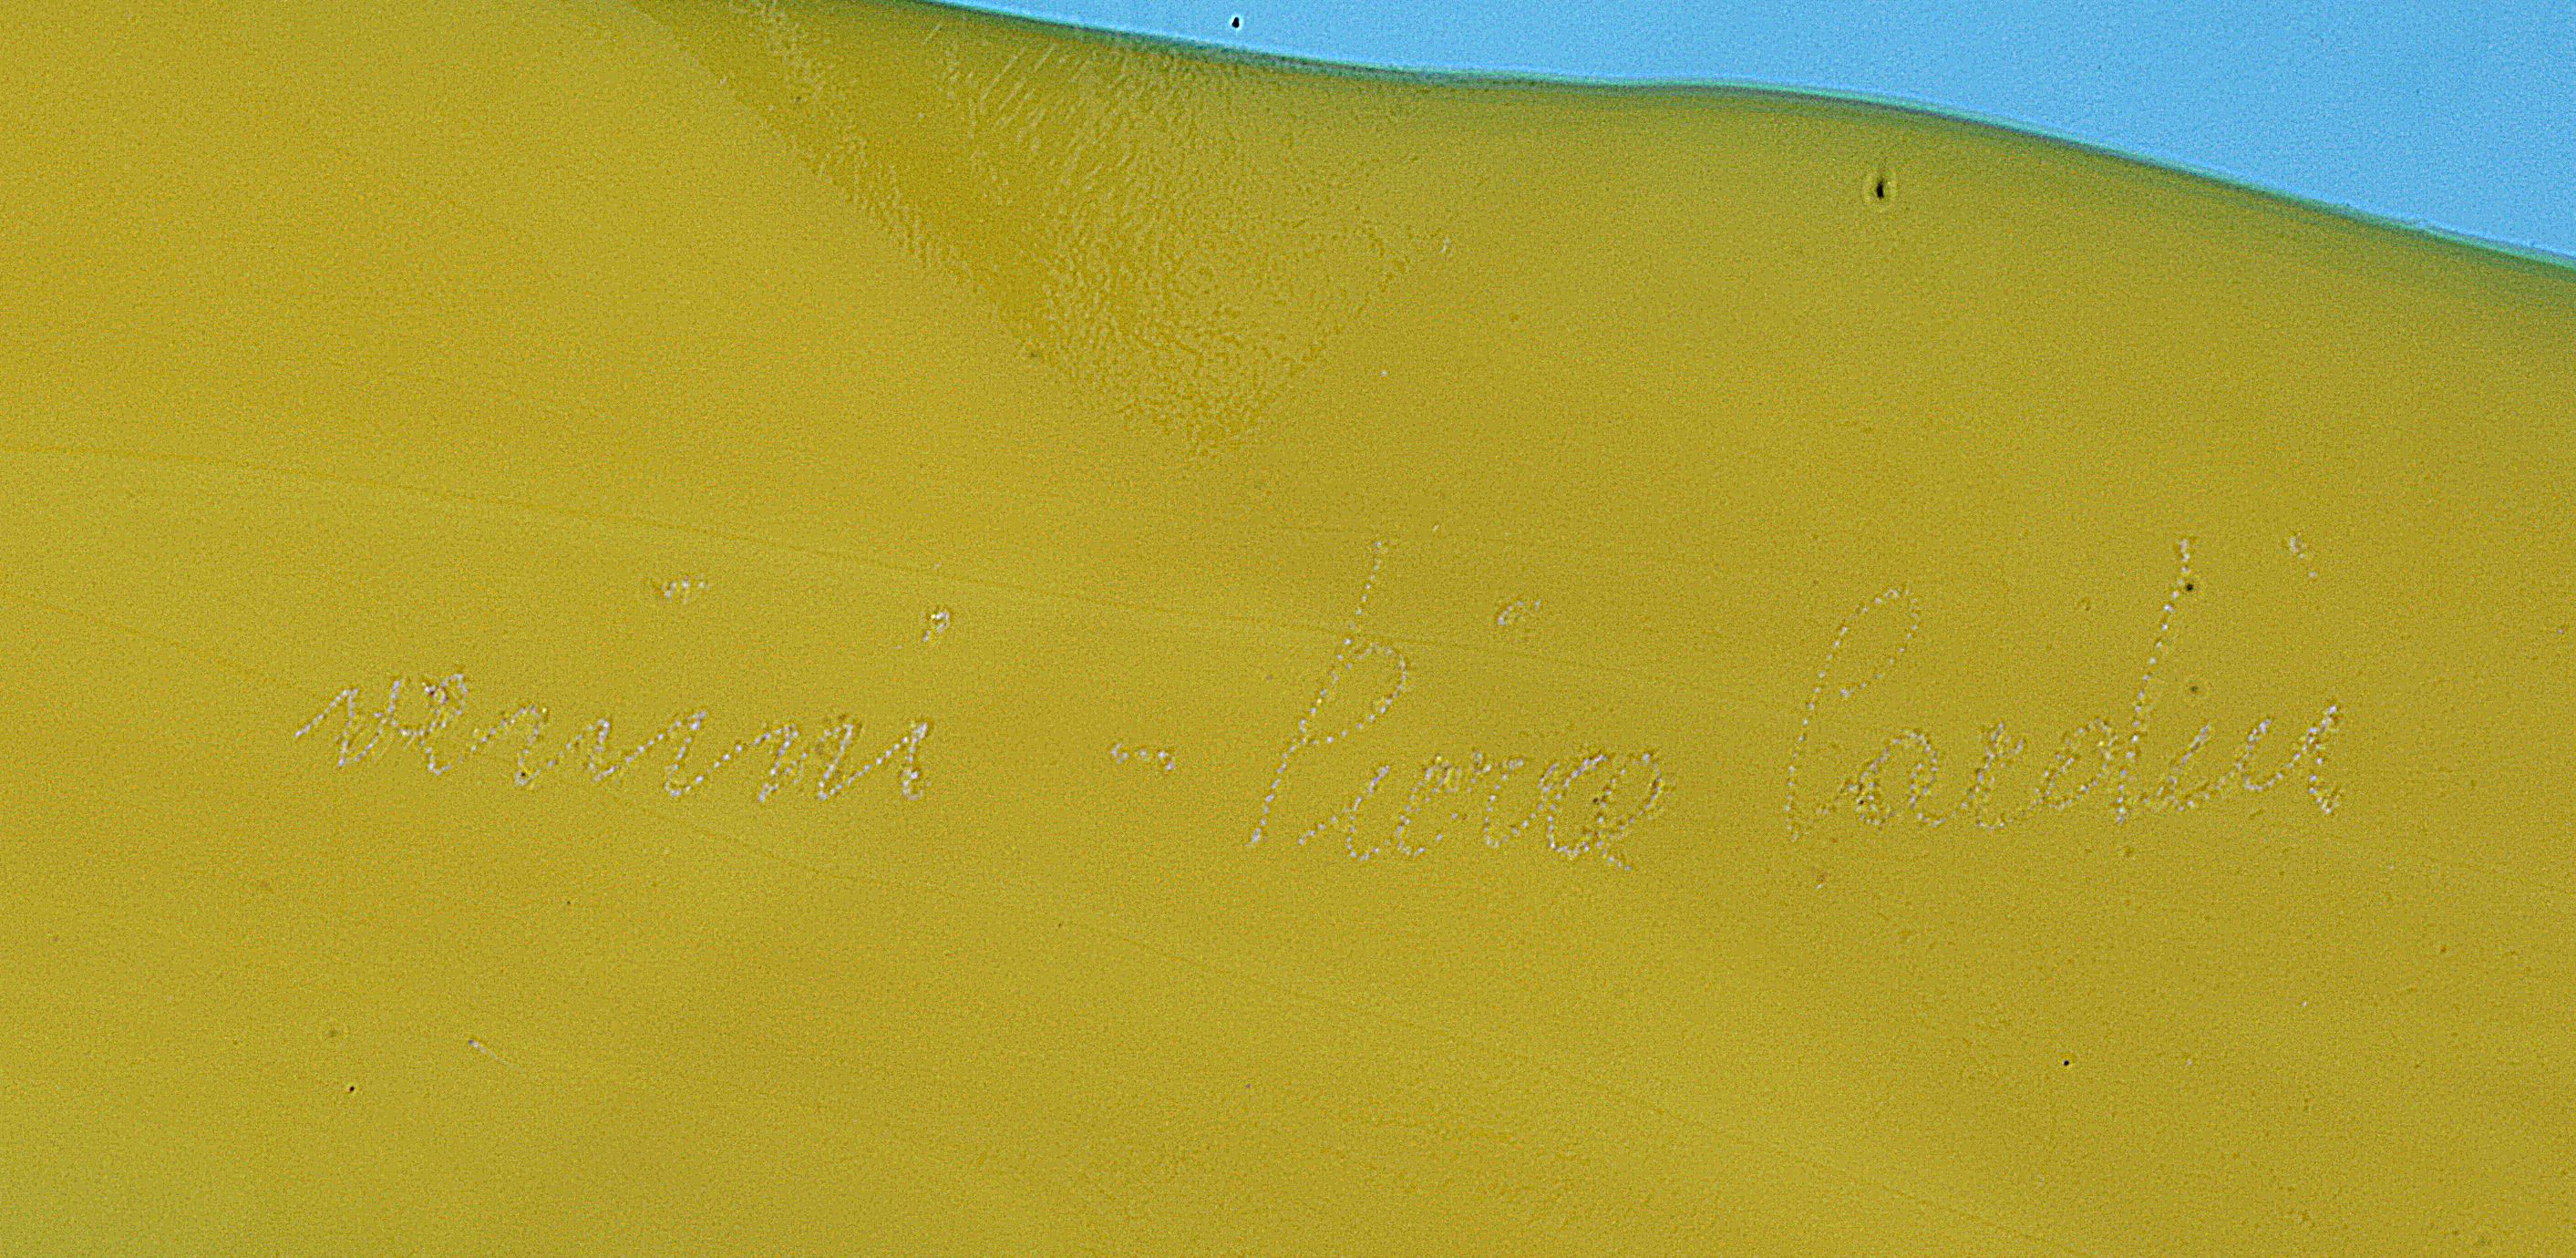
[2097,748]
[1447,793]
[791,755]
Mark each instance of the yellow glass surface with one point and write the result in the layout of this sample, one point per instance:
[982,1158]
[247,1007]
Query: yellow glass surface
[801,627]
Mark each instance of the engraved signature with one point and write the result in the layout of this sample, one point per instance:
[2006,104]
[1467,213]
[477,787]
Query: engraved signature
[791,755]
[1448,793]
[2098,748]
